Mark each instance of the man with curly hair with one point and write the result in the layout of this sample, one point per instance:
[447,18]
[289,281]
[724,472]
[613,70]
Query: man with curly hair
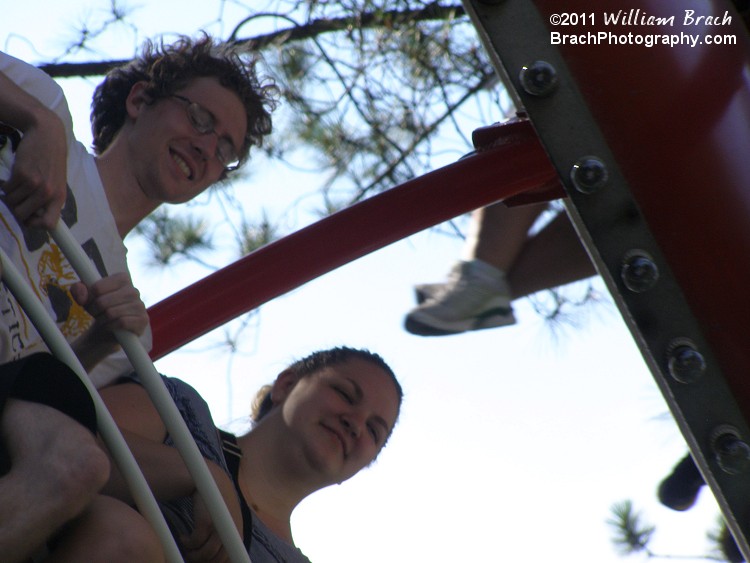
[167,125]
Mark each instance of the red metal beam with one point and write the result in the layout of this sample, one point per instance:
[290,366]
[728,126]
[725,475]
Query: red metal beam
[514,163]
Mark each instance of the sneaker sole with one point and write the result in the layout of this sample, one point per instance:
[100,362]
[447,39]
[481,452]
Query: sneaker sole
[493,318]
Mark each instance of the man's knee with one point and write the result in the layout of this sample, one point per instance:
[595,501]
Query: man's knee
[111,531]
[85,472]
[55,451]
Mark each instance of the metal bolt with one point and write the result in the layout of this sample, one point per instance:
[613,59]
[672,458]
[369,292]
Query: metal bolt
[731,452]
[684,362]
[539,78]
[589,174]
[639,271]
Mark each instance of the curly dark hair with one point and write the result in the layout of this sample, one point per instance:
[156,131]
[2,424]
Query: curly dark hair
[168,68]
[317,361]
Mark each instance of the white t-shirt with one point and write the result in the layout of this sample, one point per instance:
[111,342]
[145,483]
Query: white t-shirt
[39,260]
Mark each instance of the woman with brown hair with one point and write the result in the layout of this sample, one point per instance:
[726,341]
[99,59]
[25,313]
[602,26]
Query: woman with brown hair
[324,419]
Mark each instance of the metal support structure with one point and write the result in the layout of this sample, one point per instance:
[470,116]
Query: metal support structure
[650,145]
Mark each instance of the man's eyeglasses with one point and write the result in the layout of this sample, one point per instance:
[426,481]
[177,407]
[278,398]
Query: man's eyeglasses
[203,122]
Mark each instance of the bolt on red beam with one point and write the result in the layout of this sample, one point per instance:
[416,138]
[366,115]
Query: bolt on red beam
[515,163]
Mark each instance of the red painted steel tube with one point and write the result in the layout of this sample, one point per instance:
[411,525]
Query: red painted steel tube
[678,123]
[516,163]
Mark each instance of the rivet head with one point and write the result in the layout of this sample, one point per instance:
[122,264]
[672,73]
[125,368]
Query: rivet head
[538,79]
[684,362]
[639,271]
[731,452]
[589,174]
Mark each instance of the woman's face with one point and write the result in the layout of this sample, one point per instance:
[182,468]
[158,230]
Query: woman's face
[342,416]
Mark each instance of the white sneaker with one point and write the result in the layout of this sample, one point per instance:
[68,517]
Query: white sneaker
[476,296]
[425,291]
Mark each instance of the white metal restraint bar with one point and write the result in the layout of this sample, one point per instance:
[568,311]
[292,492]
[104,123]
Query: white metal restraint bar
[111,435]
[163,402]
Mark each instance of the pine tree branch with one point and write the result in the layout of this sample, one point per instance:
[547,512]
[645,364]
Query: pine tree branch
[367,20]
[450,110]
[315,28]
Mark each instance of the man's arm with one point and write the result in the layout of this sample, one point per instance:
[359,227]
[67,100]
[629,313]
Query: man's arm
[144,431]
[162,465]
[35,191]
[165,471]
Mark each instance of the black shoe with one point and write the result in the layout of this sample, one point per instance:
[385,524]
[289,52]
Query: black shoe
[680,489]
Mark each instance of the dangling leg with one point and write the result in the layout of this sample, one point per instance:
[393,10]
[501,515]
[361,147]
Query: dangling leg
[553,257]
